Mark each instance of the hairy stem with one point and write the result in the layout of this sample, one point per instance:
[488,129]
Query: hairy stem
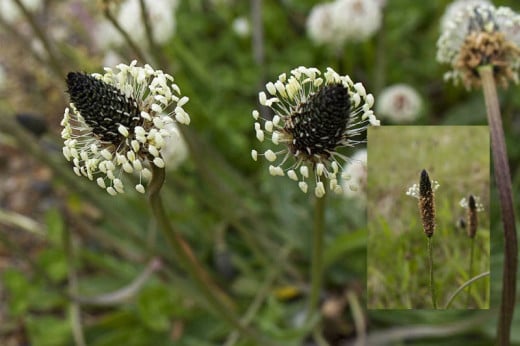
[503,181]
[430,265]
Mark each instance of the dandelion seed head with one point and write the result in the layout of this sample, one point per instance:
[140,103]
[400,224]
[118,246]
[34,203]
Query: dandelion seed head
[454,8]
[479,35]
[399,103]
[341,21]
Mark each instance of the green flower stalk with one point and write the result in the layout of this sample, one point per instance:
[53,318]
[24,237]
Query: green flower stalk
[120,122]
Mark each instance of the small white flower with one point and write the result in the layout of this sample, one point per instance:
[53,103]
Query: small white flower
[355,172]
[111,127]
[414,191]
[342,21]
[464,203]
[356,20]
[320,27]
[241,27]
[399,103]
[175,149]
[315,116]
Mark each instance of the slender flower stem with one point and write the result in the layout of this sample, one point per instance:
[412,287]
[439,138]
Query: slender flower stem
[213,293]
[503,181]
[74,307]
[463,286]
[219,301]
[430,262]
[317,256]
[470,271]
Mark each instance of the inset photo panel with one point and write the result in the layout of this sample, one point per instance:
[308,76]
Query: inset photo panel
[428,217]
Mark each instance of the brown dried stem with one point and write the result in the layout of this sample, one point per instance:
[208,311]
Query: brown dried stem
[503,181]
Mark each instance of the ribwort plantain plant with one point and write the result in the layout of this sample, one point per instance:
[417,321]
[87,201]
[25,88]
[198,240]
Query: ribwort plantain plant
[472,205]
[424,192]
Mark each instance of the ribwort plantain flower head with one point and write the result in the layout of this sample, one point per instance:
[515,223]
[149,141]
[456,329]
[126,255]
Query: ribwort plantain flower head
[119,122]
[473,206]
[315,115]
[481,35]
[424,191]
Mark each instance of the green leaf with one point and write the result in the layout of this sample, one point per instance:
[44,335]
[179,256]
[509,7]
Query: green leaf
[48,331]
[342,245]
[156,306]
[54,262]
[19,289]
[55,227]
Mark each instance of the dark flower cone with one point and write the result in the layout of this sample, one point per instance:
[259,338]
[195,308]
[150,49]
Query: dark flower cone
[103,106]
[472,217]
[319,125]
[427,204]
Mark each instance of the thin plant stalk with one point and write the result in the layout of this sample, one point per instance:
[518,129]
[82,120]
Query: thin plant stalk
[463,286]
[317,257]
[74,307]
[220,302]
[183,251]
[503,181]
[472,250]
[430,266]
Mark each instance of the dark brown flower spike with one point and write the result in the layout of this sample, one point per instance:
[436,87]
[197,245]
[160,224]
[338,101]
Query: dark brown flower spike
[427,204]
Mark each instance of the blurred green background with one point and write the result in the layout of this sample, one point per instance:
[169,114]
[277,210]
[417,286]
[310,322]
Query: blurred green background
[251,230]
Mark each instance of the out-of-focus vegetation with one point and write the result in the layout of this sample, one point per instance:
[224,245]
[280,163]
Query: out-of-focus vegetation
[251,230]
